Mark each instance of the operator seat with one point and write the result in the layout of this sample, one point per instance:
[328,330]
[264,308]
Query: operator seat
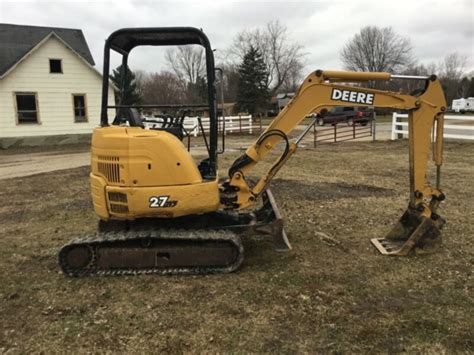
[130,114]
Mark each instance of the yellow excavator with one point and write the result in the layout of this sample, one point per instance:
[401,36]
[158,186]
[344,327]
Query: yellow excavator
[162,213]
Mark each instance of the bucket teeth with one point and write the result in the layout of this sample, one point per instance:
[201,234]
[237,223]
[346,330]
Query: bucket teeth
[413,233]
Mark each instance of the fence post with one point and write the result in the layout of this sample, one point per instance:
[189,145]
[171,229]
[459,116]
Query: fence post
[335,132]
[250,123]
[260,125]
[231,125]
[394,120]
[240,124]
[314,136]
[374,125]
[196,126]
[353,129]
[399,128]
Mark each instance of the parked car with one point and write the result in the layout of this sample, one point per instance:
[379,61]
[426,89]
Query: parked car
[348,115]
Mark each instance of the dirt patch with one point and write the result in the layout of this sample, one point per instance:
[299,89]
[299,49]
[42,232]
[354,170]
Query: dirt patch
[331,293]
[328,191]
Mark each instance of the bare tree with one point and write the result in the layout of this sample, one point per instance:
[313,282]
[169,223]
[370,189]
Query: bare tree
[294,79]
[452,66]
[187,62]
[378,50]
[408,86]
[451,71]
[283,57]
[162,88]
[189,65]
[230,82]
[466,86]
[140,78]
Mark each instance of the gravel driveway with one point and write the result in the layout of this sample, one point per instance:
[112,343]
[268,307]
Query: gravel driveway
[26,164]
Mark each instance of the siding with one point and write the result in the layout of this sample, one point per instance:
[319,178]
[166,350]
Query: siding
[54,93]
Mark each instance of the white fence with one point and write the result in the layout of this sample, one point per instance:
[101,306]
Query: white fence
[458,131]
[233,124]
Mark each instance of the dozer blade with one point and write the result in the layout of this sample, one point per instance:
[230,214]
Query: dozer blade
[413,232]
[272,222]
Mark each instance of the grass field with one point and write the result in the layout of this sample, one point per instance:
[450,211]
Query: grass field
[331,293]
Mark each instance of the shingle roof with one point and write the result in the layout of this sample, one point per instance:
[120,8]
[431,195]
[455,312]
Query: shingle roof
[17,40]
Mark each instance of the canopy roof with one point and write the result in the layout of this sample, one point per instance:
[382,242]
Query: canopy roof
[124,40]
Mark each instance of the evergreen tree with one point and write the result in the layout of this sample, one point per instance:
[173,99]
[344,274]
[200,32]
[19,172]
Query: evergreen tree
[131,93]
[252,92]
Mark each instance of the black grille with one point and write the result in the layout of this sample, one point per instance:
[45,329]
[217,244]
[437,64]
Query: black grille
[115,208]
[118,197]
[109,167]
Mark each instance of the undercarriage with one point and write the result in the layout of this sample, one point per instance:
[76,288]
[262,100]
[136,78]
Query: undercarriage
[197,244]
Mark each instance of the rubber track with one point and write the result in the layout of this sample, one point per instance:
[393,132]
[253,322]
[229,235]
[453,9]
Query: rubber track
[110,237]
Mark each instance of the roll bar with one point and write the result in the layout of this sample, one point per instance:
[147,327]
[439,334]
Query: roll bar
[124,40]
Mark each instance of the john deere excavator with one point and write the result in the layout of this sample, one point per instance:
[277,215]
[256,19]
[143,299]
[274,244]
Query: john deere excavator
[162,213]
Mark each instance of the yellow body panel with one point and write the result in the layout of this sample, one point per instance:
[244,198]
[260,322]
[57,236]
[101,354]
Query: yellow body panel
[146,173]
[146,157]
[99,201]
[182,200]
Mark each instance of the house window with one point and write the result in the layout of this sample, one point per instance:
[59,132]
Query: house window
[26,108]
[80,110]
[55,66]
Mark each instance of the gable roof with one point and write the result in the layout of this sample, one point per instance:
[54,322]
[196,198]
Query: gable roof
[16,41]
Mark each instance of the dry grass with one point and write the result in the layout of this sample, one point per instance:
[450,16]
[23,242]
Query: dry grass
[332,293]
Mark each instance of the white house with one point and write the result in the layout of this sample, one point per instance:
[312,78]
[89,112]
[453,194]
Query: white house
[49,88]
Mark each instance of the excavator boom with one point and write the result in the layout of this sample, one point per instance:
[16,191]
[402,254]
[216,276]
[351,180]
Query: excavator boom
[324,89]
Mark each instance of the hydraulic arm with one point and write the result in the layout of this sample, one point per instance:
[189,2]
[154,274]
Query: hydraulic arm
[420,224]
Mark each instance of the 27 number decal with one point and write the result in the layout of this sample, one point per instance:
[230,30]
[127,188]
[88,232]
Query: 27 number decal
[161,202]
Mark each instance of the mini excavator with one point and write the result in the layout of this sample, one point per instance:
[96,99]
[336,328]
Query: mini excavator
[162,213]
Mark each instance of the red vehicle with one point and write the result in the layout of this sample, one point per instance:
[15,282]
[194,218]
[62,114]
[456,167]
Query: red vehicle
[348,115]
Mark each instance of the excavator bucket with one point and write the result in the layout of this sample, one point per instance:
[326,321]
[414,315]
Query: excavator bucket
[413,232]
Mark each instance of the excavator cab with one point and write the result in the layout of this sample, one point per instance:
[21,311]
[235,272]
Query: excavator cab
[123,42]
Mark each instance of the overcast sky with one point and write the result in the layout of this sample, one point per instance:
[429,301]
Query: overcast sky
[435,28]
